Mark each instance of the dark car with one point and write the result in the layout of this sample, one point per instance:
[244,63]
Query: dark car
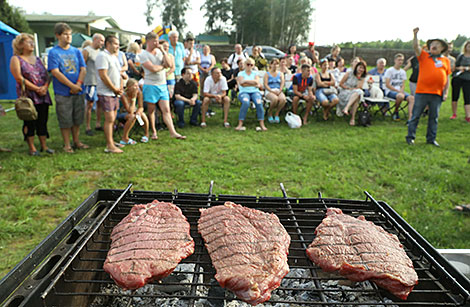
[268,52]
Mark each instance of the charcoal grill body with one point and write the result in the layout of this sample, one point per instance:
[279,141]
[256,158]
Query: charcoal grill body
[66,268]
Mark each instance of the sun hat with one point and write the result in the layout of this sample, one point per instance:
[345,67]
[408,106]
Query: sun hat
[443,42]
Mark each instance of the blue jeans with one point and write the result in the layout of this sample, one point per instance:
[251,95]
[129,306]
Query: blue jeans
[421,101]
[179,110]
[245,100]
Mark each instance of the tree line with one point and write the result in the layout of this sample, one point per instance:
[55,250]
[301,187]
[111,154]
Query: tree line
[268,22]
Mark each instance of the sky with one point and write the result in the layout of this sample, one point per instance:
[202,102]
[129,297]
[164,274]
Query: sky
[332,22]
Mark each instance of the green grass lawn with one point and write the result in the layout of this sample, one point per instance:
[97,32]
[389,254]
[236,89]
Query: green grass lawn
[422,183]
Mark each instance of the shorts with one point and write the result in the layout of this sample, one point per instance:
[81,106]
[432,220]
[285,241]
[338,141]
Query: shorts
[304,93]
[155,93]
[171,82]
[393,95]
[90,93]
[108,103]
[323,97]
[70,110]
[121,116]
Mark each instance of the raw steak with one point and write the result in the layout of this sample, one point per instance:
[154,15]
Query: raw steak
[248,248]
[148,244]
[361,250]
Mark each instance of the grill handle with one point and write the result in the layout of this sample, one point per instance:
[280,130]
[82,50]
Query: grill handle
[84,242]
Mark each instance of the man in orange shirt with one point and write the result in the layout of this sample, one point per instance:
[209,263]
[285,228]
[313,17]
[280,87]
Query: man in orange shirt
[432,86]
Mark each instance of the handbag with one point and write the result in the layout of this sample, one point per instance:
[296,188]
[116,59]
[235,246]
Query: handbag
[24,106]
[293,120]
[330,91]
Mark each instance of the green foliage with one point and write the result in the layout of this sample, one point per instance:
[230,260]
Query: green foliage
[13,16]
[218,15]
[172,12]
[459,41]
[277,23]
[387,44]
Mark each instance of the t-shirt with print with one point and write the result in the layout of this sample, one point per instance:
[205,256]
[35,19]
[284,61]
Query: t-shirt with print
[68,61]
[215,88]
[152,78]
[433,74]
[396,76]
[108,61]
[302,84]
[193,58]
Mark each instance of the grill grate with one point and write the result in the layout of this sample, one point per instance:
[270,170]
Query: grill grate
[79,279]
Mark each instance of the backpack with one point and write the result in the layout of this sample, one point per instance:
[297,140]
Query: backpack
[24,106]
[364,118]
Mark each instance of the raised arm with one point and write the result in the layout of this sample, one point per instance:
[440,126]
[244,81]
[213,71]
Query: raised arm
[416,46]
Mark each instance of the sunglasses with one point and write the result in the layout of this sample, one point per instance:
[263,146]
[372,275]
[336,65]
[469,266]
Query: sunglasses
[249,64]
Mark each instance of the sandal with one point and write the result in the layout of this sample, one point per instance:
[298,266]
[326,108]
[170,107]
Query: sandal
[129,142]
[227,125]
[118,145]
[2,149]
[144,139]
[81,146]
[106,150]
[69,150]
[154,137]
[179,137]
[243,128]
[463,208]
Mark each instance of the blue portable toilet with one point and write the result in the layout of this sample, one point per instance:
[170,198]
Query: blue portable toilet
[7,82]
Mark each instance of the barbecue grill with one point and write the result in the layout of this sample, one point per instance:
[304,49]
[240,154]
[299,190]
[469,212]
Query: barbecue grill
[66,268]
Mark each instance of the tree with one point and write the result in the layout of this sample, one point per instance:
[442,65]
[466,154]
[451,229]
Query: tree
[172,12]
[13,16]
[269,22]
[218,15]
[148,13]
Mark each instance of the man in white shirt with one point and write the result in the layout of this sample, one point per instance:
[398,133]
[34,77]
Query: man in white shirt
[233,58]
[192,58]
[395,86]
[215,90]
[109,87]
[154,60]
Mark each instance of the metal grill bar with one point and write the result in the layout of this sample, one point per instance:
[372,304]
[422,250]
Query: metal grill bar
[84,278]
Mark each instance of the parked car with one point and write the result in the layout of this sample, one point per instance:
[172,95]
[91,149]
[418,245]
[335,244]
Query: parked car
[268,52]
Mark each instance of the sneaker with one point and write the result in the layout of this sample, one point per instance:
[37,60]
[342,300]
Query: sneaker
[276,120]
[89,132]
[454,116]
[203,125]
[396,117]
[271,119]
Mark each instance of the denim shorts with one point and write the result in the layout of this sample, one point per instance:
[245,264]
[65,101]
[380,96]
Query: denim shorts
[121,116]
[171,82]
[155,93]
[90,93]
[323,97]
[393,95]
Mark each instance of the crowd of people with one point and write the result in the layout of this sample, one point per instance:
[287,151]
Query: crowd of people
[128,86]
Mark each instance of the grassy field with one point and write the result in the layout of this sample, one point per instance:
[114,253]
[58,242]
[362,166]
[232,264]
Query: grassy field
[422,183]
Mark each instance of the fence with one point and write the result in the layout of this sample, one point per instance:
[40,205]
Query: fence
[369,55]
